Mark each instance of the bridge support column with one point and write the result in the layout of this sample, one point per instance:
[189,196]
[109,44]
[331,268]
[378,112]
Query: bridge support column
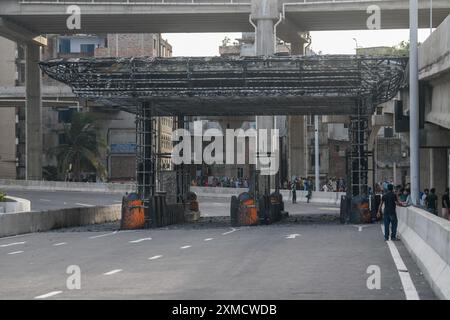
[33,113]
[264,14]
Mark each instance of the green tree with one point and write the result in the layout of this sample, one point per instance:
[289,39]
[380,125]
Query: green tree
[81,148]
[402,49]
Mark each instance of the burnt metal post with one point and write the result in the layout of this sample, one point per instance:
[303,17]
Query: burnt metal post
[145,158]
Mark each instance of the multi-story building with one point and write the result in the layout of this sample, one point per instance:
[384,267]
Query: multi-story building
[117,128]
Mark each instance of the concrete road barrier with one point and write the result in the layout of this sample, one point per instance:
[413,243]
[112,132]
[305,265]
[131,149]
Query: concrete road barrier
[427,238]
[12,224]
[14,204]
[333,198]
[7,184]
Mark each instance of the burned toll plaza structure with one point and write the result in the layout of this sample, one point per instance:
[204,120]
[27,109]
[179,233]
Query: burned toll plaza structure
[258,86]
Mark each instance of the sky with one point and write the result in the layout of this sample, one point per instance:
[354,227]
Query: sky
[326,42]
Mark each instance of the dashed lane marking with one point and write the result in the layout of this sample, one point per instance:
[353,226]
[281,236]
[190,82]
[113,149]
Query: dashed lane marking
[15,252]
[12,244]
[112,272]
[103,235]
[59,244]
[209,239]
[185,247]
[45,200]
[140,240]
[48,295]
[232,230]
[155,257]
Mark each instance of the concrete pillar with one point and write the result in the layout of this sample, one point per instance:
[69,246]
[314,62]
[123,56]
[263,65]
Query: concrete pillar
[296,146]
[298,45]
[438,170]
[264,14]
[33,113]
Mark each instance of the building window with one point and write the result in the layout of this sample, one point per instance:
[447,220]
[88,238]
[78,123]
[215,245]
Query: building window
[87,48]
[240,173]
[61,138]
[64,116]
[337,148]
[64,45]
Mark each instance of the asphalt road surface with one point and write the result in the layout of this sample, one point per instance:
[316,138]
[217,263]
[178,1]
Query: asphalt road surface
[295,259]
[280,261]
[219,206]
[52,200]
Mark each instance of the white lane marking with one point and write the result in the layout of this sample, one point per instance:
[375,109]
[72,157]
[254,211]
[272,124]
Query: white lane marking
[330,209]
[59,244]
[112,272]
[185,247]
[292,236]
[140,240]
[17,236]
[103,235]
[117,201]
[209,239]
[45,200]
[48,295]
[232,230]
[15,252]
[407,283]
[84,204]
[360,228]
[12,244]
[155,257]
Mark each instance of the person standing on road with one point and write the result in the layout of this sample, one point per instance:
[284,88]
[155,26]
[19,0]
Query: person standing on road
[390,201]
[310,189]
[431,202]
[294,191]
[446,205]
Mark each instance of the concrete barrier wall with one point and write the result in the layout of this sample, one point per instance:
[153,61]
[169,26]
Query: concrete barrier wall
[15,205]
[6,184]
[427,238]
[25,222]
[317,197]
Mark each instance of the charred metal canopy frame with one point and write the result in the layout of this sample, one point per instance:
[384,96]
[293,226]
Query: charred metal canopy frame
[234,86]
[180,87]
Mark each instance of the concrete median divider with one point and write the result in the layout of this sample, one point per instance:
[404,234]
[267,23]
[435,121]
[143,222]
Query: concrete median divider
[26,222]
[333,198]
[14,204]
[427,238]
[7,184]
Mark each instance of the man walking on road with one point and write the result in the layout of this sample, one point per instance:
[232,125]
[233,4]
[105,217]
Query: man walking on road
[294,191]
[446,205]
[390,202]
[431,202]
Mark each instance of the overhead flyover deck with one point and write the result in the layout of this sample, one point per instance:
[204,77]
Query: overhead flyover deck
[216,86]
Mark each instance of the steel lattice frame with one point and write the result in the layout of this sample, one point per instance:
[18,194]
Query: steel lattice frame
[234,86]
[182,87]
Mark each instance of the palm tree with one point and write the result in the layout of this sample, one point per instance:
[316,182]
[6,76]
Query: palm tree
[81,149]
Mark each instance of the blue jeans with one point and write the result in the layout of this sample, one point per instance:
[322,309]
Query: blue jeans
[390,219]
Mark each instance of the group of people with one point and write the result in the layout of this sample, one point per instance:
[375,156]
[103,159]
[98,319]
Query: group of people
[334,185]
[300,184]
[401,196]
[223,181]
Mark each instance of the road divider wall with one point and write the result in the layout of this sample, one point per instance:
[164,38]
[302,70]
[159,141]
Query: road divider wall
[317,197]
[14,204]
[12,224]
[7,184]
[427,238]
